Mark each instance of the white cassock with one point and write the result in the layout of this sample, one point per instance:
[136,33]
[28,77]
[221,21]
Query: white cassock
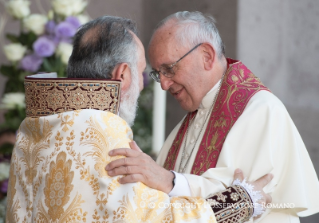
[263,140]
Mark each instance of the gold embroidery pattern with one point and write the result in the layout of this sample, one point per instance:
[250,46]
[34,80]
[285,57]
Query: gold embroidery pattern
[97,217]
[191,208]
[58,186]
[35,140]
[103,140]
[67,186]
[67,120]
[51,96]
[72,214]
[238,86]
[236,207]
[100,142]
[12,206]
[29,146]
[150,201]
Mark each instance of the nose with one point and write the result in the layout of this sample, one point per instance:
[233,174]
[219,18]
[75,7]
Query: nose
[166,82]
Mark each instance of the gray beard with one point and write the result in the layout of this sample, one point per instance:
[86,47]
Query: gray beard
[129,99]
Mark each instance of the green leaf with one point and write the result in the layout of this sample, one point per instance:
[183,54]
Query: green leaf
[47,65]
[13,38]
[27,39]
[7,70]
[13,123]
[6,148]
[22,75]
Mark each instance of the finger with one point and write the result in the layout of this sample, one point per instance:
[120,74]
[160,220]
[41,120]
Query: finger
[268,198]
[263,181]
[134,146]
[121,162]
[239,175]
[124,152]
[131,179]
[124,170]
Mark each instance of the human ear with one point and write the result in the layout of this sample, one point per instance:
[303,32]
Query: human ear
[122,72]
[208,53]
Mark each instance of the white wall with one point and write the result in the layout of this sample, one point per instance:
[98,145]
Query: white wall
[278,40]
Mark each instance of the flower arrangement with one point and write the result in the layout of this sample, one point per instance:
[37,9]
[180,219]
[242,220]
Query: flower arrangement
[44,44]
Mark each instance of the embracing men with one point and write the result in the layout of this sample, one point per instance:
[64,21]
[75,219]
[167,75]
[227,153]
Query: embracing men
[73,129]
[57,171]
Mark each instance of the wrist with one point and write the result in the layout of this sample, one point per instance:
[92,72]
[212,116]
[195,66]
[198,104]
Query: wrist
[169,182]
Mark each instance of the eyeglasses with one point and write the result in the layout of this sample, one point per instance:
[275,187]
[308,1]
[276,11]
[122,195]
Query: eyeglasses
[167,70]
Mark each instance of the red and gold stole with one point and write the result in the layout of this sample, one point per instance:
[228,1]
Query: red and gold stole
[238,86]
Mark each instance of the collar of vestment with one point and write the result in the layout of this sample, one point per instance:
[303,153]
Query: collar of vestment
[209,97]
[238,86]
[45,94]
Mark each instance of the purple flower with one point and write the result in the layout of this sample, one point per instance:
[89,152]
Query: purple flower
[4,186]
[54,39]
[44,47]
[74,21]
[66,40]
[50,27]
[65,30]
[31,63]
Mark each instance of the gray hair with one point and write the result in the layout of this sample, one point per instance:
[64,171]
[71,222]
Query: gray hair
[194,28]
[100,45]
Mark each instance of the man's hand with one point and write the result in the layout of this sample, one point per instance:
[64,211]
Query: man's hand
[258,186]
[139,167]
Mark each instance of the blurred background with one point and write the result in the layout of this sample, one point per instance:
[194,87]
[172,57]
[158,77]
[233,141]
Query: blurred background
[278,40]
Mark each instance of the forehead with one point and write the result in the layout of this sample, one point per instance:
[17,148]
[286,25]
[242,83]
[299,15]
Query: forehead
[164,47]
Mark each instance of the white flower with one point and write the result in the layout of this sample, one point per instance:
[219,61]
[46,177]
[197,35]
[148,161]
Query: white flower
[83,19]
[64,50]
[14,51]
[35,23]
[18,8]
[13,100]
[68,7]
[4,171]
[50,14]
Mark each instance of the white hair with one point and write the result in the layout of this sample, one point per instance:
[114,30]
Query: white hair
[194,28]
[129,99]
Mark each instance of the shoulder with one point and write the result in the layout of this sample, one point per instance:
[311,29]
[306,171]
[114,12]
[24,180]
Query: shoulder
[263,111]
[265,101]
[106,124]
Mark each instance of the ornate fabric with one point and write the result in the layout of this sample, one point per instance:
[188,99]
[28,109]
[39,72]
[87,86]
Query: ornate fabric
[58,163]
[57,175]
[238,86]
[232,205]
[48,96]
[263,140]
[171,158]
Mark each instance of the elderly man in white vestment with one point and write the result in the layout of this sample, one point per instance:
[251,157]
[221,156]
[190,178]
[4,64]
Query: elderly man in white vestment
[233,121]
[57,171]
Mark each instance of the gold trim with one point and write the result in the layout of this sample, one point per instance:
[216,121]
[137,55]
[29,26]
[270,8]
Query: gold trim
[52,96]
[232,205]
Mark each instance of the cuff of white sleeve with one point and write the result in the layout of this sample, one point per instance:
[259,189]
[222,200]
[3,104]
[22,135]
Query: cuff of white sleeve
[254,195]
[181,187]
